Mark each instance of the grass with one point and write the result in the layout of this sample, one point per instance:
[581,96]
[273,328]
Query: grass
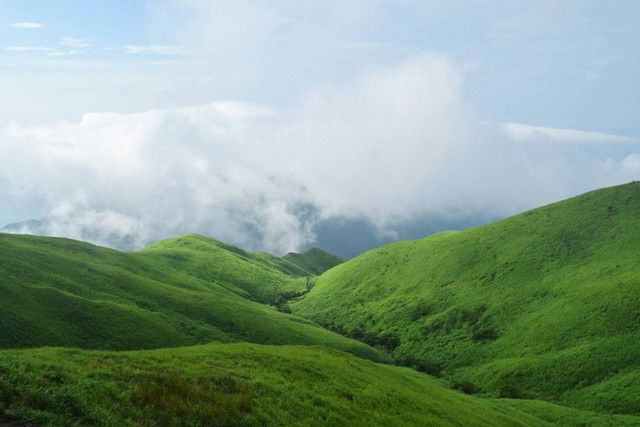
[59,292]
[531,321]
[315,261]
[246,385]
[260,276]
[543,305]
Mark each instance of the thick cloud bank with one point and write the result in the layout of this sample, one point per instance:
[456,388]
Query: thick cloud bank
[395,146]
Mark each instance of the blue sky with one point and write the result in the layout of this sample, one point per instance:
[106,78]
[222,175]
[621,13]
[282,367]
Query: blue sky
[571,64]
[532,101]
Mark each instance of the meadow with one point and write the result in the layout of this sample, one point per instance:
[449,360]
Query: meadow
[248,385]
[529,321]
[543,305]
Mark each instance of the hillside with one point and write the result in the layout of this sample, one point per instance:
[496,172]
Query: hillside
[60,292]
[315,261]
[247,385]
[259,276]
[542,305]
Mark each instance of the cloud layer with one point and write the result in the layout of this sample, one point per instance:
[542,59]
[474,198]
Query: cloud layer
[394,146]
[27,25]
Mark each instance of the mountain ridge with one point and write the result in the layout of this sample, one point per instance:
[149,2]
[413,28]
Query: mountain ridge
[542,305]
[534,316]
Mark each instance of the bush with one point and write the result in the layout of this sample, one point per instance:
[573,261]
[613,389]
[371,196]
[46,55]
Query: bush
[465,386]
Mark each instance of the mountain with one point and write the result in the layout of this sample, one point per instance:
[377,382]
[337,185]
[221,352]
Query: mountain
[184,291]
[530,321]
[258,276]
[31,226]
[84,232]
[315,261]
[543,305]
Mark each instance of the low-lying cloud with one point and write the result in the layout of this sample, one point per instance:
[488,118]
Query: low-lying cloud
[395,146]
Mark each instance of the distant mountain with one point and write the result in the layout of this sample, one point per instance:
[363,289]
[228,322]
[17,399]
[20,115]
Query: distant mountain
[315,261]
[31,226]
[86,233]
[542,305]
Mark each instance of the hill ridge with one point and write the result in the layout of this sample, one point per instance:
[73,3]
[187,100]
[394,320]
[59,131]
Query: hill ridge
[544,304]
[61,292]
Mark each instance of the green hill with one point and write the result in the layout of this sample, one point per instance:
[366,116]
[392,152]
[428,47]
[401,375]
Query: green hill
[543,305]
[537,316]
[248,385]
[315,261]
[261,277]
[185,291]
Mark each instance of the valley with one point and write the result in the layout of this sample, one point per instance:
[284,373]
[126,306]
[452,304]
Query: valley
[532,320]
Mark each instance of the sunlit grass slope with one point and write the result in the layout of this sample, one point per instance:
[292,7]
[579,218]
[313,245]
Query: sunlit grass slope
[60,292]
[255,275]
[543,305]
[244,384]
[316,261]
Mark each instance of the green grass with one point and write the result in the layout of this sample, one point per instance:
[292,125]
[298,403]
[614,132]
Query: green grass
[258,276]
[315,261]
[543,305]
[246,384]
[59,292]
[536,316]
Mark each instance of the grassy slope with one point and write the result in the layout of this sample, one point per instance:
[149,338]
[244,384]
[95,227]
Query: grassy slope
[59,292]
[258,276]
[246,384]
[543,305]
[315,261]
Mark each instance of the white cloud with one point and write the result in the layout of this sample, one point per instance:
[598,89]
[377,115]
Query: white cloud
[527,133]
[157,49]
[28,49]
[27,25]
[73,42]
[65,53]
[397,143]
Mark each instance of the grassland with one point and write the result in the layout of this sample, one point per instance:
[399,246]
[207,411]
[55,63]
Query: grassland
[315,261]
[543,305]
[59,292]
[246,385]
[531,321]
[260,276]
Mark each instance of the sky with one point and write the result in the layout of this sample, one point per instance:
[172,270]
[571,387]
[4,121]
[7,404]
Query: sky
[283,125]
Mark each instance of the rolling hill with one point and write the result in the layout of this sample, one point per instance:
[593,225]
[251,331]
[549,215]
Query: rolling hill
[315,261]
[543,305]
[60,292]
[530,321]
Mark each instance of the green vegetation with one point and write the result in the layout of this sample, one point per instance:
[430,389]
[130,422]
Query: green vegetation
[543,305]
[315,261]
[242,384]
[59,292]
[531,321]
[258,276]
